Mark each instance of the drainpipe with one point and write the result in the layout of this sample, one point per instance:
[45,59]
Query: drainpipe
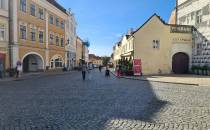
[10,10]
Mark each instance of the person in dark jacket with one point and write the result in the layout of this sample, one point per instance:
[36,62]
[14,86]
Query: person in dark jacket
[84,69]
[1,69]
[107,72]
[100,68]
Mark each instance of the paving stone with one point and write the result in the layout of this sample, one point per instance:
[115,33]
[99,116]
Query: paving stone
[65,102]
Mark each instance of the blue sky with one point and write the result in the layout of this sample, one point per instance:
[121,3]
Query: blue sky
[102,22]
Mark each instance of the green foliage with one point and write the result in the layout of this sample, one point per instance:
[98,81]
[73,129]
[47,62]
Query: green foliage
[126,65]
[105,60]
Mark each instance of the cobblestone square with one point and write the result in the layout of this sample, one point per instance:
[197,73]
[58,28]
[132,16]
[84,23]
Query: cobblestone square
[65,102]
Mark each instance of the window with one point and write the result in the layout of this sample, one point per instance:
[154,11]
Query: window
[33,10]
[41,14]
[192,15]
[2,33]
[62,25]
[41,36]
[51,19]
[51,38]
[2,4]
[58,63]
[57,22]
[62,42]
[23,5]
[199,17]
[23,32]
[33,34]
[57,41]
[156,44]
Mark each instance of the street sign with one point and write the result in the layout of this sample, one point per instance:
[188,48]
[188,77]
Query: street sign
[137,69]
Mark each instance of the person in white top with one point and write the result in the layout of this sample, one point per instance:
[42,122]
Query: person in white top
[18,69]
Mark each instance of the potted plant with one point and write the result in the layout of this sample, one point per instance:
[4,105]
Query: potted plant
[208,71]
[194,69]
[205,68]
[197,69]
[200,70]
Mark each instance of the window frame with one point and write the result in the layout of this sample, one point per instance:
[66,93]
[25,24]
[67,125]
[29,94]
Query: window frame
[2,29]
[41,14]
[51,39]
[33,8]
[51,19]
[156,44]
[41,40]
[33,34]
[62,42]
[62,25]
[23,5]
[57,22]
[22,36]
[57,40]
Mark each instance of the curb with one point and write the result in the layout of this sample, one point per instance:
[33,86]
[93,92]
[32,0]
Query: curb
[191,84]
[32,76]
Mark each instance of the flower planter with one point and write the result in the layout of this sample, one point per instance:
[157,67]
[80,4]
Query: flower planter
[200,72]
[208,72]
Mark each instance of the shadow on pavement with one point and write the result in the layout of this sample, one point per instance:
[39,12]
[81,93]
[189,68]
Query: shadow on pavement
[68,102]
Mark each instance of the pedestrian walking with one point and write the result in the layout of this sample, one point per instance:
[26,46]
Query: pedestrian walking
[84,69]
[89,75]
[18,69]
[100,68]
[107,72]
[1,69]
[119,71]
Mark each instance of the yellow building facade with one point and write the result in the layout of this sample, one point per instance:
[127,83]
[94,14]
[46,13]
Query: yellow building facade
[38,34]
[163,48]
[79,51]
[4,34]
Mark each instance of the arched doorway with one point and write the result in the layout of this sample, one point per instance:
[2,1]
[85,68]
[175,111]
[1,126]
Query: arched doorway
[180,63]
[32,63]
[56,62]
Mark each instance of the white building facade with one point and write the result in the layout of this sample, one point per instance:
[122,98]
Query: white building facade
[71,41]
[197,13]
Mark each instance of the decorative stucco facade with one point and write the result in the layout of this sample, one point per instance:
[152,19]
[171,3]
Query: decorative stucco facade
[197,13]
[38,34]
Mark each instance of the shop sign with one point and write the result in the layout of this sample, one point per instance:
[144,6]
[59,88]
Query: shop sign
[182,40]
[181,29]
[137,69]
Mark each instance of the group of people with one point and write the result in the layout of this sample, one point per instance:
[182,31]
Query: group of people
[85,70]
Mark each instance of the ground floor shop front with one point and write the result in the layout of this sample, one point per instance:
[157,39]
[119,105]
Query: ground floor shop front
[39,59]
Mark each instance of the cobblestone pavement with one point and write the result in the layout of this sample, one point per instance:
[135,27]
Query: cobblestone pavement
[65,102]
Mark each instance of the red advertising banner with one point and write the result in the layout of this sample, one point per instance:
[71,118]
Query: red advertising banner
[2,56]
[137,67]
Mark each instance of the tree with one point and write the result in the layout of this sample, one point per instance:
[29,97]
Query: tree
[105,60]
